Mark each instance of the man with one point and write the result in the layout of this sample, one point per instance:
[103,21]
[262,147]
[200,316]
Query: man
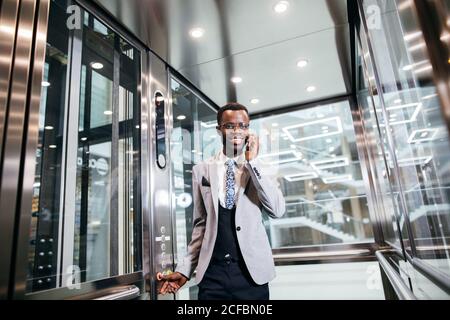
[229,246]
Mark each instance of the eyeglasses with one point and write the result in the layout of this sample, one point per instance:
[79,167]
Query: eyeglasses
[233,126]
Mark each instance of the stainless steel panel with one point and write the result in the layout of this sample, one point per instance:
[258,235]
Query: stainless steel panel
[31,142]
[147,218]
[160,197]
[14,133]
[8,19]
[156,208]
[157,221]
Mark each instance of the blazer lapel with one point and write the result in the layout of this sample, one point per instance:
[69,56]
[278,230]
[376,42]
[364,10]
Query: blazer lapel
[246,178]
[213,179]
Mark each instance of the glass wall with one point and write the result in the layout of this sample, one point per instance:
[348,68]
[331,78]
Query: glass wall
[86,206]
[313,152]
[411,128]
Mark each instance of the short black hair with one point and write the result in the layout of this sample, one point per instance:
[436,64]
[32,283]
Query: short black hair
[233,106]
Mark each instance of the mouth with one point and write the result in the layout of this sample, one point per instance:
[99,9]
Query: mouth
[237,140]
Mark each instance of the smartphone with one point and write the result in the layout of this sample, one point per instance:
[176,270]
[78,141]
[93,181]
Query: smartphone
[247,145]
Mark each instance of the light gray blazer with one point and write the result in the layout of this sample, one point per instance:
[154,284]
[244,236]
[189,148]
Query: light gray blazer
[261,193]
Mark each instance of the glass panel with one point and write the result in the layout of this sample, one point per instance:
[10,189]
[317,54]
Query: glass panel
[377,147]
[106,219]
[315,156]
[47,188]
[419,134]
[193,139]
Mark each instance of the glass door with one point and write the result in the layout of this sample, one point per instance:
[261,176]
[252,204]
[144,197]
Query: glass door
[86,216]
[403,110]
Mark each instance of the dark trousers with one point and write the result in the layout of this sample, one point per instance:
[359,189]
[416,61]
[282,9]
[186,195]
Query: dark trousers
[230,281]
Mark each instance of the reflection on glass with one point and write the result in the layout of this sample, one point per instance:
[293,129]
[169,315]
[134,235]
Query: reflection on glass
[416,134]
[314,154]
[193,139]
[103,237]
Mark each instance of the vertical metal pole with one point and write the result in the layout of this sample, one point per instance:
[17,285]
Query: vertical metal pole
[114,210]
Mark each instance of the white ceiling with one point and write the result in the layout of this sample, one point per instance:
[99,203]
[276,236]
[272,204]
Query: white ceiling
[247,38]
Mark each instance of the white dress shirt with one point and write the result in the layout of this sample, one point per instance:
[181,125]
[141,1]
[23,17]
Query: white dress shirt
[239,175]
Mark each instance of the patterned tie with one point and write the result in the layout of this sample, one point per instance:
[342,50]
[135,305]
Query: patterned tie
[229,185]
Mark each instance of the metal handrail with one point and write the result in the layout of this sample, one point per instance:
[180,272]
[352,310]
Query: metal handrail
[402,290]
[121,293]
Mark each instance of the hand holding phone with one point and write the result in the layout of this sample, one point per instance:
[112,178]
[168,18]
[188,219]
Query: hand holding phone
[251,147]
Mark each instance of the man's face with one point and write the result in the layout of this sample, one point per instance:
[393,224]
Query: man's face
[234,138]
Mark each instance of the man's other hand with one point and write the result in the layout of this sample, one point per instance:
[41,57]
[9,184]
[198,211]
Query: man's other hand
[172,282]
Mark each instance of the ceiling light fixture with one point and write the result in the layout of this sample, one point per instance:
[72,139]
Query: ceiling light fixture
[181,117]
[301,176]
[108,113]
[340,178]
[45,84]
[302,63]
[196,33]
[254,101]
[48,128]
[97,65]
[337,120]
[311,89]
[281,7]
[330,163]
[236,79]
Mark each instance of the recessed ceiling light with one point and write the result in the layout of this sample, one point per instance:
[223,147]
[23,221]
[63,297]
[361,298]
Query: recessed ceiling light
[236,79]
[45,84]
[181,117]
[196,33]
[311,89]
[254,101]
[52,146]
[108,113]
[302,63]
[274,124]
[97,65]
[48,128]
[84,139]
[281,6]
